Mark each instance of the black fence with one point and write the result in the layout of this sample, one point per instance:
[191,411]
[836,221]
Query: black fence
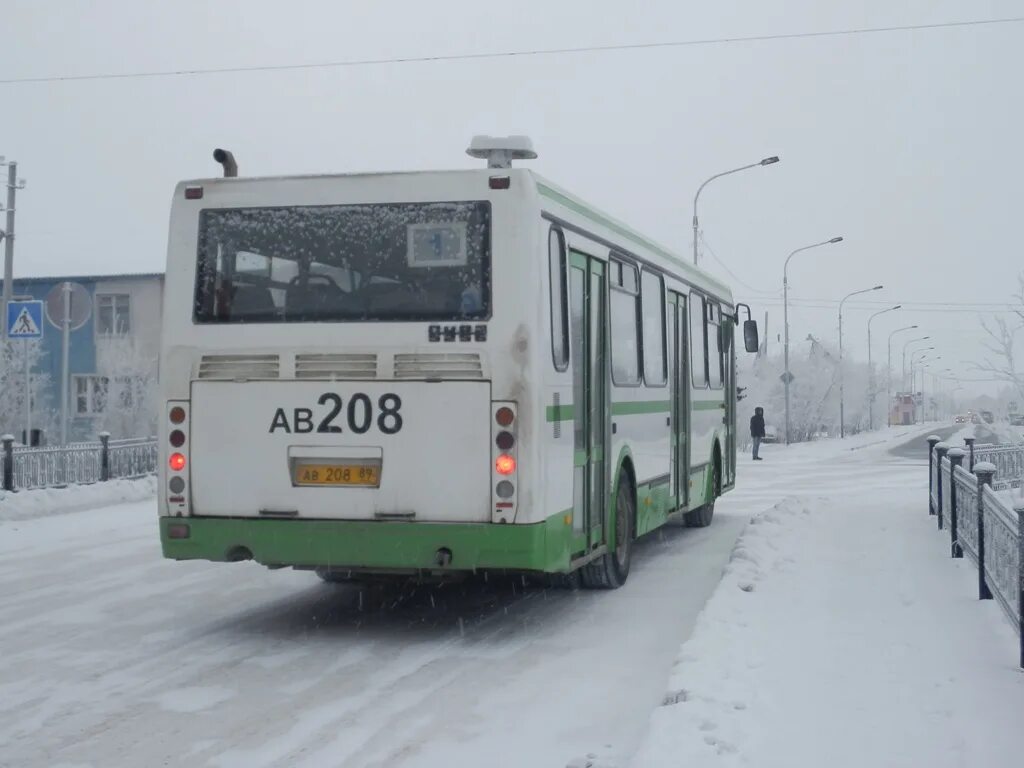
[984,523]
[25,468]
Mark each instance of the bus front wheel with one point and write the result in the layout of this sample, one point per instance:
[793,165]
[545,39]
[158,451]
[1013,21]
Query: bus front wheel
[610,570]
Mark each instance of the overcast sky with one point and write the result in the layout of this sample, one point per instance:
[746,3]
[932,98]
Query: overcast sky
[906,143]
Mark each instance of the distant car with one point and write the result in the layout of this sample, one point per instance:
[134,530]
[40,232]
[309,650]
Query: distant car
[961,418]
[1017,420]
[771,435]
[988,417]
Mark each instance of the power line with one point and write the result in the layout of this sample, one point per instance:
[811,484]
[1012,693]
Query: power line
[732,274]
[805,304]
[502,54]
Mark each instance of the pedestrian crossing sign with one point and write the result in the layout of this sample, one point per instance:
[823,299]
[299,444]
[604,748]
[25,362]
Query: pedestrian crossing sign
[25,320]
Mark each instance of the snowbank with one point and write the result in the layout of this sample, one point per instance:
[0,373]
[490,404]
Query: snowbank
[843,634]
[23,505]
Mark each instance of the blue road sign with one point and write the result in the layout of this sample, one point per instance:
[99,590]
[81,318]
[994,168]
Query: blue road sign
[25,320]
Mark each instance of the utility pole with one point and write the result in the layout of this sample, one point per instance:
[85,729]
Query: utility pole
[12,187]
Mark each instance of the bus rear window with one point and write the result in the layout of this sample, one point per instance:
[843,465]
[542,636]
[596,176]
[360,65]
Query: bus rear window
[385,261]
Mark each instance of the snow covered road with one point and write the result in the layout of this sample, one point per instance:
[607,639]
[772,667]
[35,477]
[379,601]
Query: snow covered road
[112,656]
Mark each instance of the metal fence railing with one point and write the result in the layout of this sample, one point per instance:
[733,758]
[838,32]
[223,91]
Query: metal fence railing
[26,468]
[985,521]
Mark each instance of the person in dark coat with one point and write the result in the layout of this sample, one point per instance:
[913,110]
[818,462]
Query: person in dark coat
[757,430]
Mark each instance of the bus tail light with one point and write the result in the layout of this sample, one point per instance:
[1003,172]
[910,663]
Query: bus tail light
[177,452]
[505,462]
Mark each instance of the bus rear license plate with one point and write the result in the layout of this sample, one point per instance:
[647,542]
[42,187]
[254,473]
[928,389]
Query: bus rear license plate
[338,474]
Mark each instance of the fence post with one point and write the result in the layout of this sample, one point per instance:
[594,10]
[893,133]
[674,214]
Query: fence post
[1018,507]
[969,441]
[940,453]
[985,472]
[956,459]
[8,441]
[933,440]
[104,456]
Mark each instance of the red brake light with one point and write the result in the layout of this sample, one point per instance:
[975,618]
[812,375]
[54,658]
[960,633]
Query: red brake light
[177,461]
[177,414]
[504,416]
[193,193]
[505,464]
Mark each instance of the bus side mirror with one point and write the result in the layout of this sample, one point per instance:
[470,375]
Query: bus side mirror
[750,340]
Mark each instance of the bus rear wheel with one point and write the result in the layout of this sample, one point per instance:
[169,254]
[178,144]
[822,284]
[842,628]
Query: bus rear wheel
[334,577]
[701,517]
[610,570]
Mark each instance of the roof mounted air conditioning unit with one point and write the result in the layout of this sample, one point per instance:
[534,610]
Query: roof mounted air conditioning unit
[500,151]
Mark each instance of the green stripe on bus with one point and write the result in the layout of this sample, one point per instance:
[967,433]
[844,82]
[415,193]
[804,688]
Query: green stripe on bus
[629,408]
[707,405]
[560,412]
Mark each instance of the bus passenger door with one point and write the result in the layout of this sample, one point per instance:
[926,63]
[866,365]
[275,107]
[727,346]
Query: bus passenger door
[590,395]
[679,360]
[729,381]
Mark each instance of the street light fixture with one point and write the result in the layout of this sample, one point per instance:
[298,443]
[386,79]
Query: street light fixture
[767,161]
[888,373]
[787,376]
[842,377]
[871,368]
[903,372]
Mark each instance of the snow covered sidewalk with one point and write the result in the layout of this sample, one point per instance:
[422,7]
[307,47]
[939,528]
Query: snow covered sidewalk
[42,502]
[843,634]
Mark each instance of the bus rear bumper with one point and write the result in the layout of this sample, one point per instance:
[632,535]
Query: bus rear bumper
[371,545]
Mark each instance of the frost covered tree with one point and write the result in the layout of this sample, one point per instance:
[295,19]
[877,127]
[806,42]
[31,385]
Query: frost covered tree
[12,385]
[1003,345]
[130,375]
[813,394]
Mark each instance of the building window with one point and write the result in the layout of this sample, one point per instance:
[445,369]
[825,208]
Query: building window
[652,296]
[113,315]
[559,308]
[90,394]
[625,326]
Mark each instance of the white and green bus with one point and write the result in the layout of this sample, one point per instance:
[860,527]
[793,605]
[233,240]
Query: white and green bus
[434,373]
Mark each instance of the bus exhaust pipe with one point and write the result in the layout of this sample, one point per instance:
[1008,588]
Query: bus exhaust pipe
[227,161]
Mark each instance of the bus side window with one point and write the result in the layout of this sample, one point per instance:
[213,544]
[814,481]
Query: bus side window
[714,335]
[625,324]
[559,304]
[698,346]
[652,301]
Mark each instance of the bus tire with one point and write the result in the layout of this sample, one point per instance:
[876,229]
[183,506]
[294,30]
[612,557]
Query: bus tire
[610,570]
[701,517]
[334,577]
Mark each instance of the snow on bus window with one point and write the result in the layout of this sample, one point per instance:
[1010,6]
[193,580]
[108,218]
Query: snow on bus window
[387,261]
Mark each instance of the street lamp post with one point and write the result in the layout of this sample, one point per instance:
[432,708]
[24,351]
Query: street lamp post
[888,373]
[766,161]
[915,361]
[785,317]
[913,377]
[871,368]
[903,373]
[842,375]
